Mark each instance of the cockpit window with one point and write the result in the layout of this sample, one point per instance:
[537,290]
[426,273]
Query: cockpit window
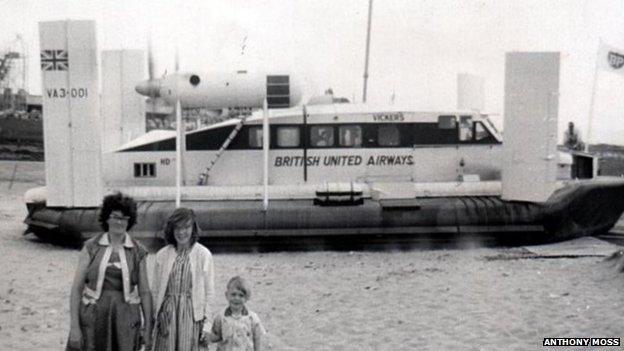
[350,136]
[447,122]
[465,128]
[480,132]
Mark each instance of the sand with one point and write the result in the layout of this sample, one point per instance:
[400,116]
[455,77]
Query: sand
[471,299]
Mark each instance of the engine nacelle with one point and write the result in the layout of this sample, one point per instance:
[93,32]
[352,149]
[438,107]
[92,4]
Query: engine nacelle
[218,90]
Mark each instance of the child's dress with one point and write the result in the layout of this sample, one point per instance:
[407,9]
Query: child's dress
[175,329]
[237,333]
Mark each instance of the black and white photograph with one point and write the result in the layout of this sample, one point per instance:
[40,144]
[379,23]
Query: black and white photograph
[239,175]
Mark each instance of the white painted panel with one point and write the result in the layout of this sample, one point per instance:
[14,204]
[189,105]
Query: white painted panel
[84,113]
[112,135]
[119,168]
[531,109]
[71,123]
[234,167]
[435,163]
[133,104]
[57,122]
[238,167]
[469,92]
[123,110]
[482,160]
[286,166]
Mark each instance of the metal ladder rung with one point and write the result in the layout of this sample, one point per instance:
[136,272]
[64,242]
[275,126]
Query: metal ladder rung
[203,177]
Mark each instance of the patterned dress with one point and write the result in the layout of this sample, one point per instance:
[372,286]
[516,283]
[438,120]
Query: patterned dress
[175,329]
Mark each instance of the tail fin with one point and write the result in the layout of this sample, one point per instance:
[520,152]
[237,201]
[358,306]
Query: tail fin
[530,133]
[123,110]
[70,106]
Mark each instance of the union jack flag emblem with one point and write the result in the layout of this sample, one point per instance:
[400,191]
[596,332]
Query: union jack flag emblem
[54,60]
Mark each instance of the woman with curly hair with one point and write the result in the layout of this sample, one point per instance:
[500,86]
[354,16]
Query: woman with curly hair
[183,286]
[110,287]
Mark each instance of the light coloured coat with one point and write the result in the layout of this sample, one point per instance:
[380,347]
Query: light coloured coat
[202,275]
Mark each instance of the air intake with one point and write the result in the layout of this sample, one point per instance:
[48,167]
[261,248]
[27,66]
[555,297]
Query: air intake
[278,91]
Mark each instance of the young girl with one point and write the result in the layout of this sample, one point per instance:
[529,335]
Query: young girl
[236,328]
[183,285]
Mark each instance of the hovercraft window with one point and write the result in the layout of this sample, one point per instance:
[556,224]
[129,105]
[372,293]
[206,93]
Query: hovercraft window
[322,136]
[145,170]
[465,128]
[255,137]
[287,136]
[480,132]
[389,136]
[447,122]
[350,136]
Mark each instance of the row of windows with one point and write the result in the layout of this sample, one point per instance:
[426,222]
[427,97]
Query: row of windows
[449,130]
[325,136]
[354,136]
[145,170]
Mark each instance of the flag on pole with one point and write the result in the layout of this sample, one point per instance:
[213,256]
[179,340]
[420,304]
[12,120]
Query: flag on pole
[610,59]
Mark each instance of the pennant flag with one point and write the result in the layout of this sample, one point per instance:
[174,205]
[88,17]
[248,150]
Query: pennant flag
[54,60]
[610,58]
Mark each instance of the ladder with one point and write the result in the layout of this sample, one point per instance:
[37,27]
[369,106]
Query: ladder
[203,177]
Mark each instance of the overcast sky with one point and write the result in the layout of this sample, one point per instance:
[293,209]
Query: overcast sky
[417,48]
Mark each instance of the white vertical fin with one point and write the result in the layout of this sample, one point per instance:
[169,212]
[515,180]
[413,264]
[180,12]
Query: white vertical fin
[530,134]
[265,153]
[71,107]
[180,134]
[469,92]
[123,110]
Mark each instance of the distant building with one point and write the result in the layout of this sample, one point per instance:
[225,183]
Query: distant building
[33,102]
[611,159]
[20,101]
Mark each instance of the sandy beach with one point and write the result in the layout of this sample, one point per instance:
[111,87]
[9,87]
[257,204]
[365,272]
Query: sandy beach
[471,299]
